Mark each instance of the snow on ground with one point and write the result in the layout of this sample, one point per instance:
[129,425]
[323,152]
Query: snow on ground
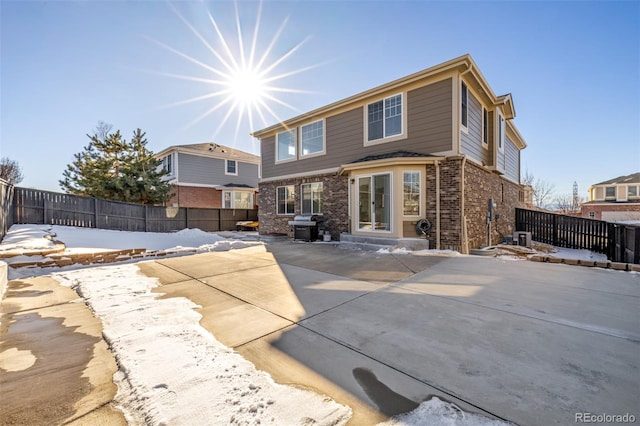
[24,238]
[173,371]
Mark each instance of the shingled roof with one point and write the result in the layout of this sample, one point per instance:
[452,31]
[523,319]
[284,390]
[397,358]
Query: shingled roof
[632,178]
[395,154]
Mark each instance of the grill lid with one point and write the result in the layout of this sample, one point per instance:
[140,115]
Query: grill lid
[304,219]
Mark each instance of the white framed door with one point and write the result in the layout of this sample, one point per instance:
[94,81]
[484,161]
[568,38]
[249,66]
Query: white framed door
[374,202]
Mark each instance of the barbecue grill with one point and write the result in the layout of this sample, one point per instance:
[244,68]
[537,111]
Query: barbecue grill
[305,227]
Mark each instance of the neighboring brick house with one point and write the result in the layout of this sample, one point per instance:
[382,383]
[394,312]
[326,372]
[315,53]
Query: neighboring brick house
[209,175]
[614,200]
[435,145]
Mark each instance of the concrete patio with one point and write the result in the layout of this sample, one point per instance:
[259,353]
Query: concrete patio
[532,343]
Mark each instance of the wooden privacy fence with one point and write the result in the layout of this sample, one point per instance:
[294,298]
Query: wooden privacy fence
[619,242]
[6,202]
[52,208]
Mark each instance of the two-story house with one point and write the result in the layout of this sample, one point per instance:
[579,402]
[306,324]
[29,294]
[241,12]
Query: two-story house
[614,200]
[435,145]
[209,175]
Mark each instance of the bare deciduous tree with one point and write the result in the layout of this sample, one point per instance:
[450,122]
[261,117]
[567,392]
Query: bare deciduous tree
[568,204]
[10,171]
[542,189]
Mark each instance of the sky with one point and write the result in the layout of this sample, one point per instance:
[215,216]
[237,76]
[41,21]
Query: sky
[572,67]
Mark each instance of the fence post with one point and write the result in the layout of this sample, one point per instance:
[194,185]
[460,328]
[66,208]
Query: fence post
[555,230]
[44,211]
[636,245]
[95,212]
[186,218]
[146,218]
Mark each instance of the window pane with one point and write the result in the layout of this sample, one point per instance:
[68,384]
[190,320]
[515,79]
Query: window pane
[312,198]
[241,200]
[632,191]
[226,202]
[464,104]
[374,119]
[285,200]
[231,166]
[286,145]
[485,126]
[411,196]
[312,138]
[364,198]
[393,115]
[610,191]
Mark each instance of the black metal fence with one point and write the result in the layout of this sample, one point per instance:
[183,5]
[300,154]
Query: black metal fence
[43,207]
[619,242]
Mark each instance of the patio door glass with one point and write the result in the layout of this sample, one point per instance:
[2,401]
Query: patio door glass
[374,202]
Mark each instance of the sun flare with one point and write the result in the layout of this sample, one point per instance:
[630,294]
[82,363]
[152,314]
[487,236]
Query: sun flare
[243,83]
[248,87]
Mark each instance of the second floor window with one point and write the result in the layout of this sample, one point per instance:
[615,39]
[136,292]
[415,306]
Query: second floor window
[464,114]
[485,126]
[231,167]
[166,163]
[384,118]
[610,192]
[286,145]
[285,199]
[632,191]
[312,138]
[311,198]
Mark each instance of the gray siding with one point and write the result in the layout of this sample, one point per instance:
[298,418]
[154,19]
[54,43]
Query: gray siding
[471,142]
[512,161]
[501,158]
[211,171]
[429,121]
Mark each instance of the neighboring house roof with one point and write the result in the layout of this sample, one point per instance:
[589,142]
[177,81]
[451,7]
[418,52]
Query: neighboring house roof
[211,149]
[632,178]
[464,64]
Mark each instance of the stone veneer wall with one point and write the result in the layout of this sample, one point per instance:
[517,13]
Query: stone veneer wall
[450,224]
[480,185]
[335,198]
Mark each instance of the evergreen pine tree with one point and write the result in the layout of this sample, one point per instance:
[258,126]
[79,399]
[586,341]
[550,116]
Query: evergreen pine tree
[114,169]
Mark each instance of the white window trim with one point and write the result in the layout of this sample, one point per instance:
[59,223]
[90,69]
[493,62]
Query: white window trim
[230,199]
[401,135]
[302,198]
[419,214]
[464,128]
[324,140]
[294,209]
[295,144]
[226,167]
[485,123]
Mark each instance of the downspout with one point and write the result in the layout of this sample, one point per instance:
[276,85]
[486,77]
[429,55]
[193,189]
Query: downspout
[437,205]
[463,228]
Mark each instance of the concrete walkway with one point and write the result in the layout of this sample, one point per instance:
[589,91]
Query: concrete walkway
[532,343]
[55,368]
